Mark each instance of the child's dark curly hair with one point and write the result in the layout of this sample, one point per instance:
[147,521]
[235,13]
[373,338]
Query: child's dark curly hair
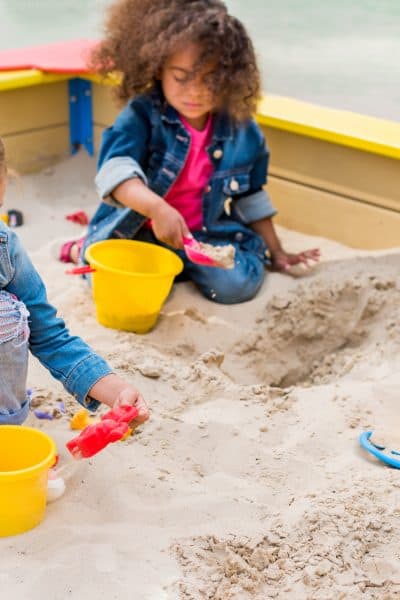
[141,34]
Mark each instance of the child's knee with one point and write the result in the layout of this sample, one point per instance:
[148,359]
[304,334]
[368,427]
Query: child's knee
[235,288]
[232,295]
[14,334]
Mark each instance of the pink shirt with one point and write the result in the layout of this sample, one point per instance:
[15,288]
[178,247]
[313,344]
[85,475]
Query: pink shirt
[186,194]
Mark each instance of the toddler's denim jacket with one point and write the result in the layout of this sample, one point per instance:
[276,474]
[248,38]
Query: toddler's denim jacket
[148,140]
[67,357]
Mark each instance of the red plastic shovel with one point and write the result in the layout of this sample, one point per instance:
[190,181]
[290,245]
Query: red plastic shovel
[112,427]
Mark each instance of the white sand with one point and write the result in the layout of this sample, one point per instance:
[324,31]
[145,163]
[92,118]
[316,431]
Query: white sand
[248,481]
[224,256]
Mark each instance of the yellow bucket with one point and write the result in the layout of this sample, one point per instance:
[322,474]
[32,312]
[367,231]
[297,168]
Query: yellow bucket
[131,282]
[26,456]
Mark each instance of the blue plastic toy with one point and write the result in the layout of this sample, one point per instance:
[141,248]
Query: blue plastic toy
[385,455]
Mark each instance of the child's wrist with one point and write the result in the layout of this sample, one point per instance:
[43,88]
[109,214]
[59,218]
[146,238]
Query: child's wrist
[276,250]
[156,207]
[107,389]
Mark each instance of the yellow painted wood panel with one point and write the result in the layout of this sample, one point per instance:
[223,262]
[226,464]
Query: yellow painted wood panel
[32,151]
[105,108]
[345,171]
[97,131]
[26,109]
[350,222]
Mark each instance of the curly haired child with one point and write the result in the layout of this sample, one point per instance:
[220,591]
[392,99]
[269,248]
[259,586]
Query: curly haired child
[29,322]
[185,157]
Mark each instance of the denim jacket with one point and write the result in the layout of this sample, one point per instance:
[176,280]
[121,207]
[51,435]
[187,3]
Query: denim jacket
[67,357]
[148,140]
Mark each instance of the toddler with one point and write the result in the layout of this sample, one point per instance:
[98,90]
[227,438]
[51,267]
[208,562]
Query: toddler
[29,322]
[184,157]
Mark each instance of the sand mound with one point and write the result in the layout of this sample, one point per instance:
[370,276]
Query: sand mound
[306,333]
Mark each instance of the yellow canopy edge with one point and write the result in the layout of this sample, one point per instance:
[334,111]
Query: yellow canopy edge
[10,80]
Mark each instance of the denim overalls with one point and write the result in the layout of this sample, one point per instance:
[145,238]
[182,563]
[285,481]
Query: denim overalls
[29,322]
[148,140]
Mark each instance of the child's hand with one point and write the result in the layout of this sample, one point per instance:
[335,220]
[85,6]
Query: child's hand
[169,226]
[113,391]
[131,396]
[283,261]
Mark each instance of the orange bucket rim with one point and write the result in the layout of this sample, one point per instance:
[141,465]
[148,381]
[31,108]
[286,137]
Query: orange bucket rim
[95,263]
[43,464]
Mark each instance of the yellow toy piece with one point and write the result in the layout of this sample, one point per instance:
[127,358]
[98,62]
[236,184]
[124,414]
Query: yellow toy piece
[4,217]
[80,420]
[127,434]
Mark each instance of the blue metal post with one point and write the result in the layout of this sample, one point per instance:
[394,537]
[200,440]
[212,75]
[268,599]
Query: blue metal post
[80,115]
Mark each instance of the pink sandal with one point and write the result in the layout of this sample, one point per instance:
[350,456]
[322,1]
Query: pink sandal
[65,251]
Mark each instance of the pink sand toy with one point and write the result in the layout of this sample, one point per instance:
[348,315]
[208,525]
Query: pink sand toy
[112,428]
[195,253]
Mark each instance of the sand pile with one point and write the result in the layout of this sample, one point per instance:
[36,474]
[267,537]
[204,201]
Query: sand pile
[307,331]
[222,255]
[248,481]
[334,550]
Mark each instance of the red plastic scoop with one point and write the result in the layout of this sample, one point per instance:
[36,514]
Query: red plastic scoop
[79,217]
[112,427]
[123,414]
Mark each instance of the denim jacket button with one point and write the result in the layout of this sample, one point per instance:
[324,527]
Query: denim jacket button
[208,189]
[234,185]
[239,236]
[204,228]
[217,153]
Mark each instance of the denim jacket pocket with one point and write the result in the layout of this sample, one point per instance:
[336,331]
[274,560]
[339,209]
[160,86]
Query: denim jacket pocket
[6,272]
[236,184]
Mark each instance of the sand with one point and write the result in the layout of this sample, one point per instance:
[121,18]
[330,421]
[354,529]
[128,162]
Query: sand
[224,256]
[248,481]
